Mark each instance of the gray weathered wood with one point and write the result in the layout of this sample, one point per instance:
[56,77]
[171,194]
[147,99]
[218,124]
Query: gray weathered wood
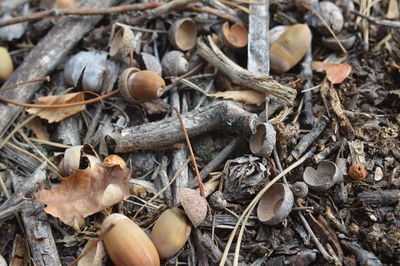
[218,115]
[46,55]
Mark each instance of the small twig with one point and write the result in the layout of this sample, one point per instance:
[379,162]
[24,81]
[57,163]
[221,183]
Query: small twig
[80,12]
[199,181]
[25,82]
[377,21]
[213,11]
[92,245]
[188,73]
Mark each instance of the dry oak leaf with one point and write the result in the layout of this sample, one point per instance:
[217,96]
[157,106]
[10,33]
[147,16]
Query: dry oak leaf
[57,114]
[244,96]
[335,72]
[86,192]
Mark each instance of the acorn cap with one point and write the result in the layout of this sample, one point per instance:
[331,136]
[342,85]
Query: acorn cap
[262,143]
[275,205]
[170,232]
[174,63]
[183,34]
[323,178]
[6,65]
[194,205]
[121,43]
[234,37]
[290,48]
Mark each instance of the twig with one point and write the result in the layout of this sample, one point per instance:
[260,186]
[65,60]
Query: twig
[196,168]
[241,76]
[188,73]
[377,21]
[213,11]
[25,82]
[81,12]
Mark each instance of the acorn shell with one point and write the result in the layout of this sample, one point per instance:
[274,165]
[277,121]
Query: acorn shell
[194,205]
[234,37]
[6,65]
[170,232]
[127,244]
[121,43]
[140,85]
[275,205]
[183,34]
[290,48]
[262,143]
[326,175]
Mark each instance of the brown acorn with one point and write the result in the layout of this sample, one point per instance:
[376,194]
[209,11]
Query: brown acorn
[140,85]
[6,65]
[357,171]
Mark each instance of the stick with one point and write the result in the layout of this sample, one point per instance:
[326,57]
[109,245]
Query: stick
[241,76]
[219,115]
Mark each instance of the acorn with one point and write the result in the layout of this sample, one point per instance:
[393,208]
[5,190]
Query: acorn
[6,66]
[174,63]
[234,37]
[127,244]
[290,48]
[357,171]
[333,16]
[122,42]
[183,34]
[170,232]
[138,85]
[65,3]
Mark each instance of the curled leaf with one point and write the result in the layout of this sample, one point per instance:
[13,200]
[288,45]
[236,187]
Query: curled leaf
[57,114]
[86,192]
[335,72]
[245,96]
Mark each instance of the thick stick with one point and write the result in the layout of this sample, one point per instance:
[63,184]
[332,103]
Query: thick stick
[241,76]
[219,115]
[44,58]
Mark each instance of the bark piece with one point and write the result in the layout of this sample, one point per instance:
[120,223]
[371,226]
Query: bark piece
[219,115]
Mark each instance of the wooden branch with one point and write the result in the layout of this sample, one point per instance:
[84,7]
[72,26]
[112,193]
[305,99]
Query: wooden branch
[46,56]
[241,76]
[160,134]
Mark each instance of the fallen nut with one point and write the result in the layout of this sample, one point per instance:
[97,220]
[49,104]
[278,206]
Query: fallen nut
[6,66]
[357,171]
[174,63]
[127,244]
[290,48]
[170,232]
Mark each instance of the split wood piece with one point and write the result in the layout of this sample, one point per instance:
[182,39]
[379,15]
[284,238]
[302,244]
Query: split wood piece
[377,21]
[258,46]
[364,257]
[333,105]
[161,134]
[316,159]
[15,154]
[46,56]
[201,254]
[380,197]
[178,156]
[309,138]
[212,250]
[37,227]
[307,75]
[68,131]
[241,76]
[16,200]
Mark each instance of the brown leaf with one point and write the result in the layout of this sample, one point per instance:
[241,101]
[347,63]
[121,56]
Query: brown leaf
[37,127]
[86,192]
[335,73]
[245,96]
[58,114]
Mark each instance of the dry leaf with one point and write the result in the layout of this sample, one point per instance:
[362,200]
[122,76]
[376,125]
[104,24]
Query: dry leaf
[37,127]
[335,73]
[393,10]
[86,192]
[57,114]
[245,96]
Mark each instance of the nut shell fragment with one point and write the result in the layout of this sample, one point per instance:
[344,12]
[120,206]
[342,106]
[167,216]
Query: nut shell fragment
[234,37]
[275,205]
[326,175]
[194,205]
